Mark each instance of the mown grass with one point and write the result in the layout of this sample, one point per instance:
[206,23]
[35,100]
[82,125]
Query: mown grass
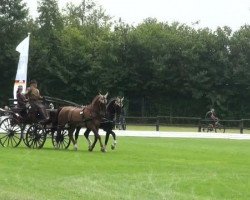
[140,168]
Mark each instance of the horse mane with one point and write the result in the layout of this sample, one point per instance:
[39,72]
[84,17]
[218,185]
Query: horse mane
[95,99]
[110,102]
[112,109]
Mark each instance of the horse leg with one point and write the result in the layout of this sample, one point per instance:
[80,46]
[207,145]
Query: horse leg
[59,129]
[86,134]
[77,133]
[71,131]
[114,138]
[107,137]
[93,145]
[97,136]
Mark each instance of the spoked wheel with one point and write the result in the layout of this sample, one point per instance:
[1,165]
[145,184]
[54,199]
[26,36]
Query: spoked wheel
[10,133]
[35,136]
[204,128]
[61,140]
[220,128]
[210,128]
[25,129]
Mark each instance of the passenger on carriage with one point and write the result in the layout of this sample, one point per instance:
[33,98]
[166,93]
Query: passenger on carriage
[21,101]
[35,98]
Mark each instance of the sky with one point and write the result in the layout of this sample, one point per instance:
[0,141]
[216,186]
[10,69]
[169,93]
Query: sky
[208,13]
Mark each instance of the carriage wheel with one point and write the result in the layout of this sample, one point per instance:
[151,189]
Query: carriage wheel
[220,128]
[10,133]
[35,136]
[61,141]
[25,129]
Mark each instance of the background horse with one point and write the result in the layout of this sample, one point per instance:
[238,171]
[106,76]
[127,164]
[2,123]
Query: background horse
[89,116]
[113,110]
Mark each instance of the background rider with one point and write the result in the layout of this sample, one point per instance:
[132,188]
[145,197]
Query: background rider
[212,116]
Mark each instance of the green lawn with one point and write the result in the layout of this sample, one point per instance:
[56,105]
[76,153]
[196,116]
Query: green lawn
[140,168]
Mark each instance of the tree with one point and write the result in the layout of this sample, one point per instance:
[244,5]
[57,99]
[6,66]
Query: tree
[13,21]
[45,51]
[240,72]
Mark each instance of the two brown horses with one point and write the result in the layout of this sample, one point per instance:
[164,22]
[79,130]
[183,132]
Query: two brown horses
[89,116]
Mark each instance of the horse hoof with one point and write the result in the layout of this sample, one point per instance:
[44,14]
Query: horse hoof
[90,149]
[112,147]
[103,150]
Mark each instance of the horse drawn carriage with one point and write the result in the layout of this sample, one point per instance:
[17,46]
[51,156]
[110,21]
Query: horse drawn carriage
[62,122]
[16,127]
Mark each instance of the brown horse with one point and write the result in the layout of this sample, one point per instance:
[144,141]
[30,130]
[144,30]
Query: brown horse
[89,116]
[113,112]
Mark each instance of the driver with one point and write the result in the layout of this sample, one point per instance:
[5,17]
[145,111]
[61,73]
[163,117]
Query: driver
[35,98]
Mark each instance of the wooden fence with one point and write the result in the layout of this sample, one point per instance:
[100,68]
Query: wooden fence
[158,121]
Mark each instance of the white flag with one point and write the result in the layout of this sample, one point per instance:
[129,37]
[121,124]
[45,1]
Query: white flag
[21,74]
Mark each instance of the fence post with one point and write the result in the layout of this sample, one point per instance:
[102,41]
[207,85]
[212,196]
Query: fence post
[157,124]
[241,126]
[199,125]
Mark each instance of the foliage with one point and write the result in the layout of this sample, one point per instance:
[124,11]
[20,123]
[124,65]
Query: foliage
[13,21]
[160,68]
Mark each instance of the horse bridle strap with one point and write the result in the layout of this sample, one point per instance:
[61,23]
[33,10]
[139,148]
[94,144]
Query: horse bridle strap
[84,119]
[92,114]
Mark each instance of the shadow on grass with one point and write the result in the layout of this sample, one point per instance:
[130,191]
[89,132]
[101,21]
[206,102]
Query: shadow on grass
[46,148]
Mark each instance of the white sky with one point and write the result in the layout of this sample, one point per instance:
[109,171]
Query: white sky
[209,13]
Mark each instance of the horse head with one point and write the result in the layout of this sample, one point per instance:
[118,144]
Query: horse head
[99,104]
[114,108]
[119,102]
[103,98]
[118,105]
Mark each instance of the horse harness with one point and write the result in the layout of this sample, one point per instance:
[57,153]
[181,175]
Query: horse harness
[84,119]
[92,114]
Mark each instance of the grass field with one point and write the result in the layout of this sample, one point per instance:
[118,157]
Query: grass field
[140,168]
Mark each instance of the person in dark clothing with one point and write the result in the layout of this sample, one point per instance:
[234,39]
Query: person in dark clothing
[21,101]
[212,116]
[35,100]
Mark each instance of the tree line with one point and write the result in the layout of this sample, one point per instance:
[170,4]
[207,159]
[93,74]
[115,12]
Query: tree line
[160,68]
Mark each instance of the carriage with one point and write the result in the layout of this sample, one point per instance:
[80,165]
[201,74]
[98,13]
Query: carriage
[15,127]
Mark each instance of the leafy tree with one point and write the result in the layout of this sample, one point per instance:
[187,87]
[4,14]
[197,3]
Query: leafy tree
[13,19]
[240,72]
[46,47]
[161,68]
